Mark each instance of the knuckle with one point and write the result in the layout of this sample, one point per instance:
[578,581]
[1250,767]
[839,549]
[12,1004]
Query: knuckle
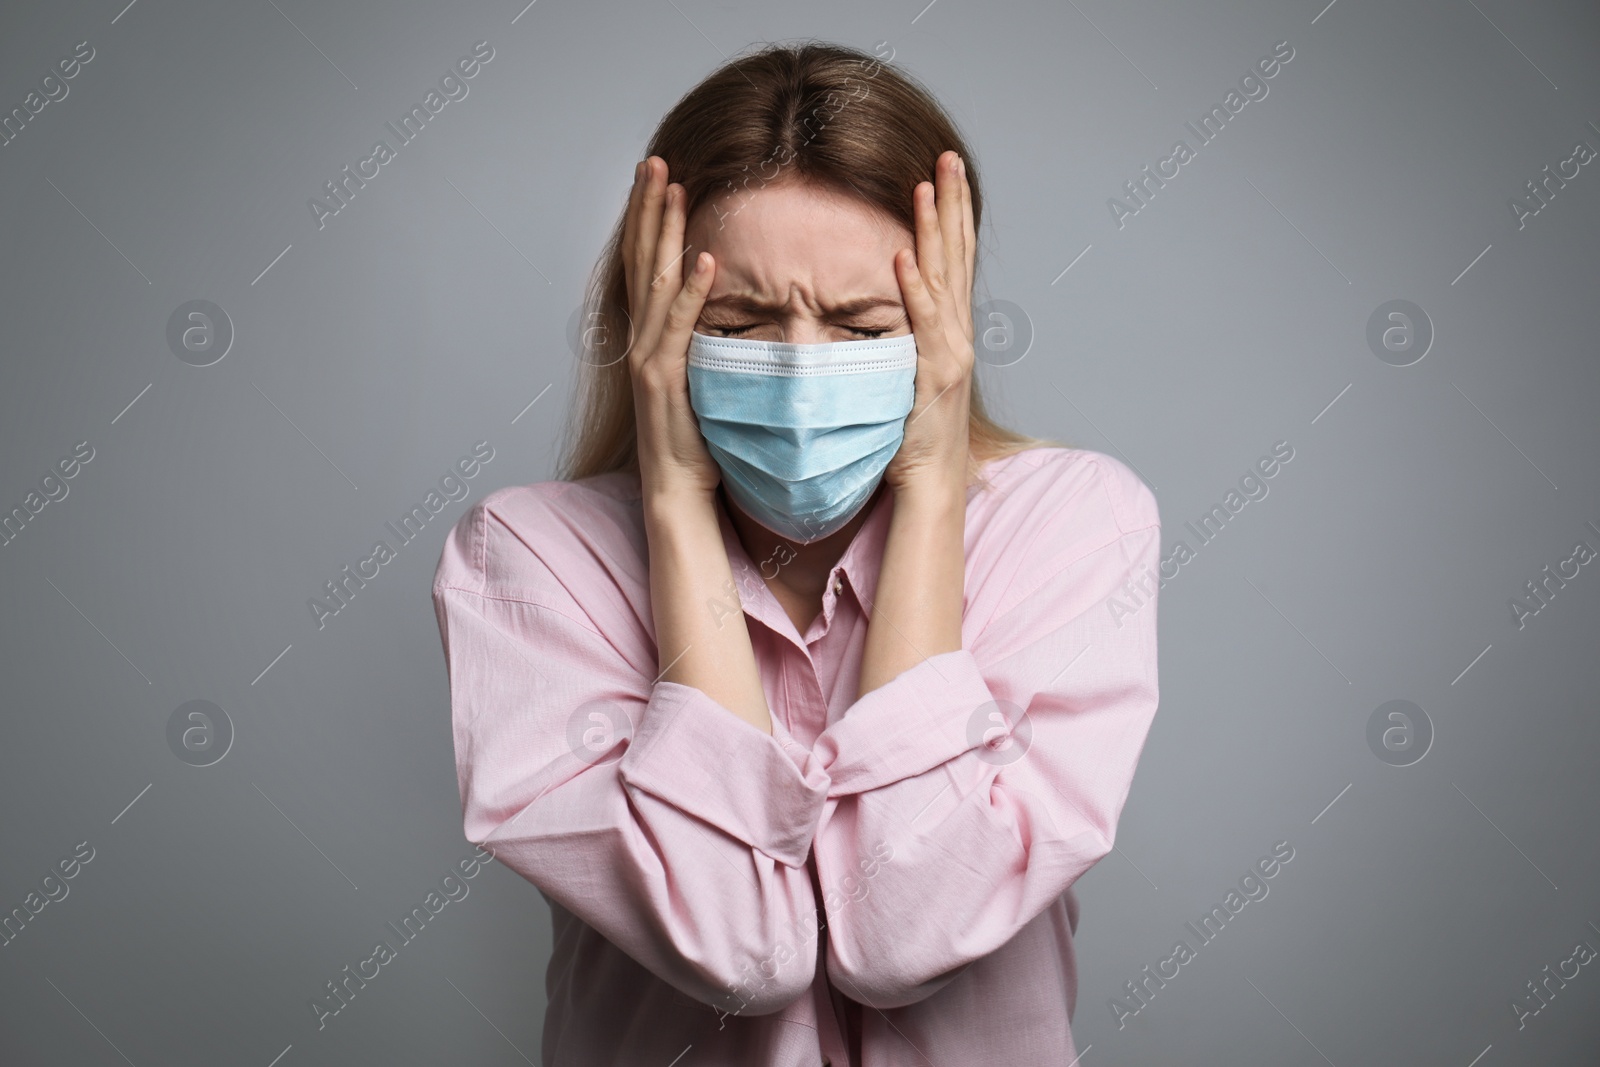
[651,375]
[678,316]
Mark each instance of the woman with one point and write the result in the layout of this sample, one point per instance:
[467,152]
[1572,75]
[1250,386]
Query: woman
[809,693]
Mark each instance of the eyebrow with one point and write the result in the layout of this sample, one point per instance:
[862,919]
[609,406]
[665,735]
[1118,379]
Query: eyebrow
[748,303]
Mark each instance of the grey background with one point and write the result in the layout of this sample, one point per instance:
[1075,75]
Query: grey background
[1229,314]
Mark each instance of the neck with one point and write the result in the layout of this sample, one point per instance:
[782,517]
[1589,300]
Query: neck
[797,574]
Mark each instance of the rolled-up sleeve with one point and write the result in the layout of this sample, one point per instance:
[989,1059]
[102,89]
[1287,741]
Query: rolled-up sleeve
[673,827]
[701,759]
[973,789]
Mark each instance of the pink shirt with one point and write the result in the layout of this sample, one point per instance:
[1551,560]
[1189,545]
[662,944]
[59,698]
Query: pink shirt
[880,881]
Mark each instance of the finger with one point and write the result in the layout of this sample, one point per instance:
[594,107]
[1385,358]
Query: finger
[652,201]
[969,238]
[930,243]
[922,307]
[948,201]
[684,311]
[666,278]
[630,229]
[969,232]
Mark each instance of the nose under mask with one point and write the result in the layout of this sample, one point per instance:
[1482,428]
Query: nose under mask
[802,433]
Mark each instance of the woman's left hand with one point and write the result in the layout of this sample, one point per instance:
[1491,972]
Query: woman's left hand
[936,283]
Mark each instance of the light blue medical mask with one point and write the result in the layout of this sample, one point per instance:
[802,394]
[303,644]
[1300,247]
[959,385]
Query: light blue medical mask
[802,433]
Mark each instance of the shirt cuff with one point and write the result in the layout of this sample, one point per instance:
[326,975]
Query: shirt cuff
[924,717]
[701,758]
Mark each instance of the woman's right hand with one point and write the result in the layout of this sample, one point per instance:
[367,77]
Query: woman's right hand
[689,568]
[673,460]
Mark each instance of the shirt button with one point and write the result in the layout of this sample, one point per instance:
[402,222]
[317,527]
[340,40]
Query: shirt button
[838,585]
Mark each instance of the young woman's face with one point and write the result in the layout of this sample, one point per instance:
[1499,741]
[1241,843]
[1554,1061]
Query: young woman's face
[799,264]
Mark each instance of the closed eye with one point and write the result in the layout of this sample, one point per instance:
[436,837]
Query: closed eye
[736,331]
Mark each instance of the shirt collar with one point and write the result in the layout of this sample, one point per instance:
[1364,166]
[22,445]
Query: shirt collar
[863,557]
[859,565]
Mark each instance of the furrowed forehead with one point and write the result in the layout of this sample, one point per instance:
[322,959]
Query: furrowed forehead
[750,302]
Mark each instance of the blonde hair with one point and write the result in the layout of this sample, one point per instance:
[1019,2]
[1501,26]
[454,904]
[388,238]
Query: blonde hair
[821,113]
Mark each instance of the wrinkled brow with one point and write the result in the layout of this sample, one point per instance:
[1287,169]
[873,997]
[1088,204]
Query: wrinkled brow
[749,303]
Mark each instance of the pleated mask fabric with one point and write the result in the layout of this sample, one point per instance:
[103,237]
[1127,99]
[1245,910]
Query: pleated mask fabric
[802,432]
